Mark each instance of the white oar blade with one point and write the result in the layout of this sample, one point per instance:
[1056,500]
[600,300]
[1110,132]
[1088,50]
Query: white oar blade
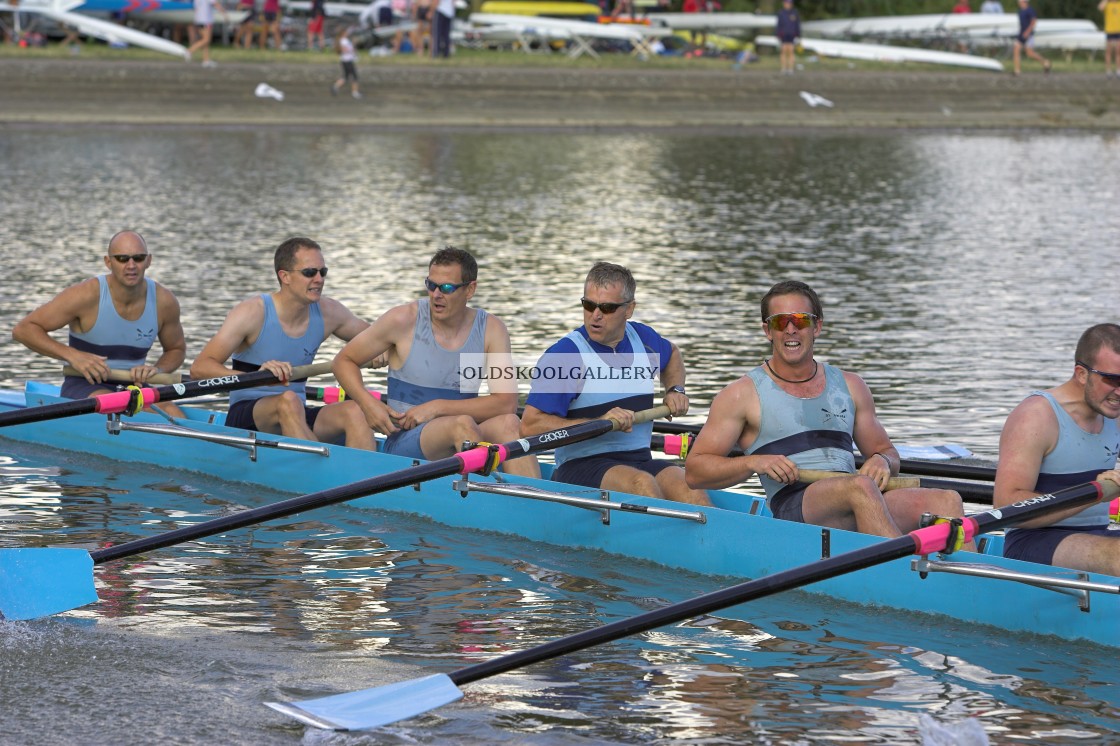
[39,582]
[371,708]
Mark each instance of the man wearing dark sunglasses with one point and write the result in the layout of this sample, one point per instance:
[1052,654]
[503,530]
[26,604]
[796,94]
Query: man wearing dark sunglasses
[114,319]
[432,406]
[610,368]
[278,330]
[794,412]
[1061,437]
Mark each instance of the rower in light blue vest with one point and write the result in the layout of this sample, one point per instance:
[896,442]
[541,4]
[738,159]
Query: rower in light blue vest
[1061,437]
[439,351]
[113,320]
[610,368]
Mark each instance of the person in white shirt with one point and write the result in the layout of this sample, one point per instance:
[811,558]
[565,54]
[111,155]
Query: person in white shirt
[346,58]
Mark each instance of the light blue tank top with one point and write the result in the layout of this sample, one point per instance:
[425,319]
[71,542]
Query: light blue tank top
[1078,458]
[273,343]
[814,433]
[602,390]
[432,372]
[125,343]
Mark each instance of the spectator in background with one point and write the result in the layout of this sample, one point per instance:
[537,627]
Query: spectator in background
[788,32]
[1024,42]
[244,35]
[422,14]
[316,23]
[271,11]
[991,6]
[347,59]
[203,29]
[1111,10]
[962,6]
[441,28]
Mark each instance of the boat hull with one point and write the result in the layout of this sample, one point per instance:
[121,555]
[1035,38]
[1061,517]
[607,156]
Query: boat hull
[732,542]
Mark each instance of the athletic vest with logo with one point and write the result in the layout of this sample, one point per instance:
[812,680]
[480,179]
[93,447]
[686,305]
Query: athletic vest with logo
[1077,458]
[814,433]
[432,372]
[125,343]
[273,343]
[602,390]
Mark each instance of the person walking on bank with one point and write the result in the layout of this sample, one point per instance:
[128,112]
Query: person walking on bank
[1024,42]
[347,59]
[788,32]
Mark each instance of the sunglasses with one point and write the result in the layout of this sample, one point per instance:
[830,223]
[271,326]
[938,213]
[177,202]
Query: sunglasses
[1110,379]
[126,258]
[447,288]
[310,272]
[606,308]
[779,321]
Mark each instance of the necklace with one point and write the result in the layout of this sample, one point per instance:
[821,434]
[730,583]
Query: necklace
[803,380]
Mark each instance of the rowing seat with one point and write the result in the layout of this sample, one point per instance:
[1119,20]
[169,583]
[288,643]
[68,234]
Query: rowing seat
[990,544]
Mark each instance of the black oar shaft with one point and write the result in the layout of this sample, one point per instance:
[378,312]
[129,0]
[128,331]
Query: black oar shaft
[923,541]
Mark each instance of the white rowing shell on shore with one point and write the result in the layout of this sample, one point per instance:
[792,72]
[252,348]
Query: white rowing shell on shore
[970,24]
[885,53]
[109,32]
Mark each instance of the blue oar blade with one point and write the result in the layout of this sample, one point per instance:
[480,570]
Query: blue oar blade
[371,708]
[38,582]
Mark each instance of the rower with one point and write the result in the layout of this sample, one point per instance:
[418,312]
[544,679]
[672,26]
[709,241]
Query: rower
[794,412]
[273,332]
[617,364]
[114,320]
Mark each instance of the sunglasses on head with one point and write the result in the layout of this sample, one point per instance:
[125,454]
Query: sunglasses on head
[126,258]
[606,308]
[1110,379]
[779,321]
[447,288]
[310,272]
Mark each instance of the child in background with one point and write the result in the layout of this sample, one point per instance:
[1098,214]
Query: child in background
[346,57]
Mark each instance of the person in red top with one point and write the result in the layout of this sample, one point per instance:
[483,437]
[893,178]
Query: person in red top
[962,7]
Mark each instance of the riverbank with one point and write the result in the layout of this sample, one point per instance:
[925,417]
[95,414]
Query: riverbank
[150,92]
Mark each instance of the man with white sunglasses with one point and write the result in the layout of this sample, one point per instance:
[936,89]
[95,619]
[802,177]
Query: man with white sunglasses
[276,331]
[794,412]
[433,403]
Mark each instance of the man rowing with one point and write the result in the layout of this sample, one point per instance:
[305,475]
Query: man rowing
[1058,438]
[114,320]
[273,332]
[619,363]
[792,413]
[433,407]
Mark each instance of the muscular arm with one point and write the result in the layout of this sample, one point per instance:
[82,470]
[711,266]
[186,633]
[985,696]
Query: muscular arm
[708,465]
[379,338]
[241,326]
[870,435]
[171,337]
[340,321]
[76,306]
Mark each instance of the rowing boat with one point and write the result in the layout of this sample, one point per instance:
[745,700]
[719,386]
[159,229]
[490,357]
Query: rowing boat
[735,538]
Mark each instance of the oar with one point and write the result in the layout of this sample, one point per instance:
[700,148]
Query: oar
[680,439]
[332,394]
[132,401]
[370,708]
[124,376]
[894,483]
[37,582]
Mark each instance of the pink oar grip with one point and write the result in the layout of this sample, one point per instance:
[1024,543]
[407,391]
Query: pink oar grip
[673,444]
[475,459]
[113,403]
[934,538]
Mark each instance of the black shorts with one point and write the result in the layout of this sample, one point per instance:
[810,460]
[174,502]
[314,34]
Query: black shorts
[589,471]
[349,72]
[787,504]
[241,415]
[1038,544]
[270,15]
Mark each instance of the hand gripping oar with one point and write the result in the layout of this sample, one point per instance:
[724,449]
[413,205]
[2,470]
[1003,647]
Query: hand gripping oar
[124,376]
[370,708]
[675,439]
[133,400]
[37,582]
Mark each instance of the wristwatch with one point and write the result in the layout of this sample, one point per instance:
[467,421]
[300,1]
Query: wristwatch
[675,389]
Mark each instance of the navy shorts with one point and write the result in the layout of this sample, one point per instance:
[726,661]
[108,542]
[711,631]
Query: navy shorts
[589,471]
[241,415]
[77,387]
[1112,37]
[788,502]
[1038,544]
[405,443]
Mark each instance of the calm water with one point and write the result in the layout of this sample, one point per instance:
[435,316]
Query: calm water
[956,272]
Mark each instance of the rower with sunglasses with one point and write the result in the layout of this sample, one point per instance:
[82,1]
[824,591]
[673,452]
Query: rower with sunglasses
[610,368]
[794,412]
[433,406]
[114,319]
[1061,437]
[276,331]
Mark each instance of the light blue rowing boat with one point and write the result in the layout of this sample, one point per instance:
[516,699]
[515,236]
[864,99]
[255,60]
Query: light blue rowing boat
[735,538]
